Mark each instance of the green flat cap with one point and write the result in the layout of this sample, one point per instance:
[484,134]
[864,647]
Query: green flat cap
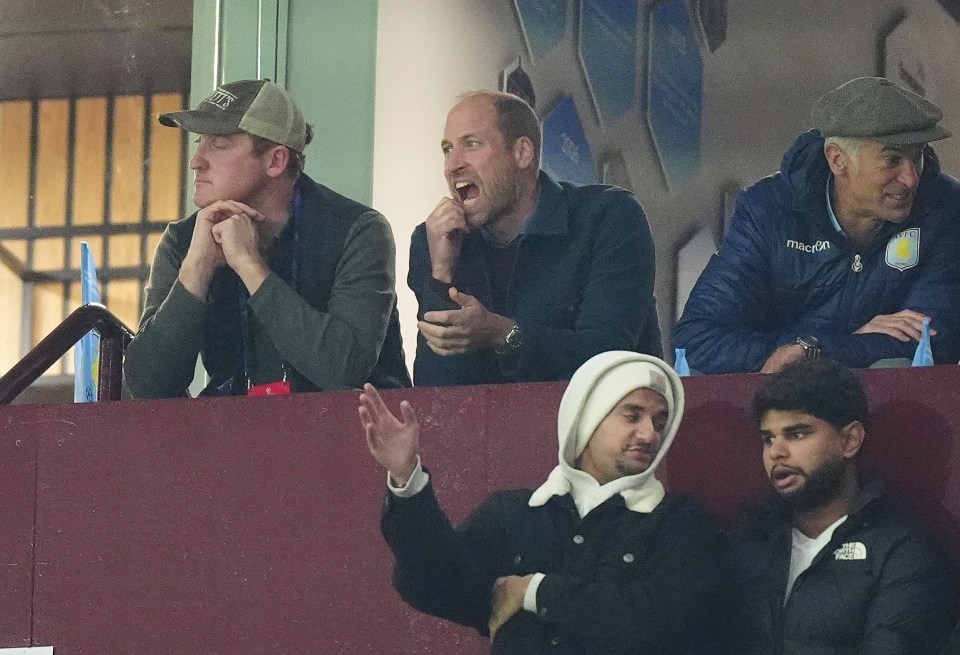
[876,108]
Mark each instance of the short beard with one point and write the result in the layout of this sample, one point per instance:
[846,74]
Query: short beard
[820,486]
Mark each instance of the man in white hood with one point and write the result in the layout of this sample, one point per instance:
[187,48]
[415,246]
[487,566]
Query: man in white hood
[598,559]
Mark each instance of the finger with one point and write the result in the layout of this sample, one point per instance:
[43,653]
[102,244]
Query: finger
[377,406]
[444,201]
[217,212]
[908,326]
[406,411]
[463,299]
[443,350]
[446,351]
[365,420]
[238,207]
[446,209]
[891,331]
[430,329]
[439,317]
[909,313]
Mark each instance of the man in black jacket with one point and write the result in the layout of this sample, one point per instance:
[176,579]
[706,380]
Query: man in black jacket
[598,559]
[828,565]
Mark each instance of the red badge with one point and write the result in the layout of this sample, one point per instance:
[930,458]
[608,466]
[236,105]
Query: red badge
[279,388]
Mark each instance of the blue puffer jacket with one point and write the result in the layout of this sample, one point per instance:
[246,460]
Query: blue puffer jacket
[784,271]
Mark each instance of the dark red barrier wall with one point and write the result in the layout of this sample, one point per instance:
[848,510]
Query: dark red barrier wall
[250,525]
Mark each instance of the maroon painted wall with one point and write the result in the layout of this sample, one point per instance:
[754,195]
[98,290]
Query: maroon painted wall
[250,525]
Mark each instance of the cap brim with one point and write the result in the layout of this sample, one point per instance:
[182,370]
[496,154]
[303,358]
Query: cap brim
[196,122]
[934,133]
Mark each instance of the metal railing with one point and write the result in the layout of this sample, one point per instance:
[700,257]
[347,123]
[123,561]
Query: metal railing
[114,339]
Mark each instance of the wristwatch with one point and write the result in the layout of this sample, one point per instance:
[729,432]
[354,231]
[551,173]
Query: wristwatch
[511,343]
[811,347]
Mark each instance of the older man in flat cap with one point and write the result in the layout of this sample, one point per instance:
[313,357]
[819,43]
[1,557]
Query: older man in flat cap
[279,283]
[845,252]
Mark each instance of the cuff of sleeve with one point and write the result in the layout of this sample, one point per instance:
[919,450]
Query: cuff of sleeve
[267,292]
[442,289]
[530,595]
[417,482]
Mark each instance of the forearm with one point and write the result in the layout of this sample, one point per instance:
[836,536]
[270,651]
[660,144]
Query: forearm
[713,347]
[161,360]
[332,350]
[554,354]
[433,570]
[336,348]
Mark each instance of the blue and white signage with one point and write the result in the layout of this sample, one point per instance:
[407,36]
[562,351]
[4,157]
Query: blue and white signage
[675,94]
[608,54]
[566,152]
[543,23]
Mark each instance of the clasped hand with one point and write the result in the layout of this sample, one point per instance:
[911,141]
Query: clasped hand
[226,234]
[459,331]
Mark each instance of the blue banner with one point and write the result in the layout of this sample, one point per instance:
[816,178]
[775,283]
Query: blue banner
[543,23]
[608,53]
[86,354]
[566,152]
[675,94]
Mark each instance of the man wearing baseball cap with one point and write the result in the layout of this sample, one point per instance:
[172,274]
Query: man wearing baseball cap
[279,283]
[598,559]
[844,252]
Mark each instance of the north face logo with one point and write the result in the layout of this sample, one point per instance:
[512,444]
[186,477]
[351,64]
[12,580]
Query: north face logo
[851,550]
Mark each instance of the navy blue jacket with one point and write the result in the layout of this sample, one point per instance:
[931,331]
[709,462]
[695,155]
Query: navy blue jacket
[784,271]
[878,587]
[582,284]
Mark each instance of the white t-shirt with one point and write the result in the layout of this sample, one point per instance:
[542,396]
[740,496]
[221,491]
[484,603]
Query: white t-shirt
[805,550]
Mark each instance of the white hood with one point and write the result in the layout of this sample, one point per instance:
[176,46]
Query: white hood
[594,390]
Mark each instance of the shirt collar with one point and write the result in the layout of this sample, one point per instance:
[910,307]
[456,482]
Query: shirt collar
[550,213]
[833,217]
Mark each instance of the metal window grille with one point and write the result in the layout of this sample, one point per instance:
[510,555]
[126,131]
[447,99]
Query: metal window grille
[139,188]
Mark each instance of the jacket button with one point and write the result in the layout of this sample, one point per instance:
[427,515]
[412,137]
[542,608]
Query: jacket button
[578,539]
[516,559]
[628,558]
[555,641]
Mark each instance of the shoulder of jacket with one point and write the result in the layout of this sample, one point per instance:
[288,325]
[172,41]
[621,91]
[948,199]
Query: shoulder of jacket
[772,189]
[328,201]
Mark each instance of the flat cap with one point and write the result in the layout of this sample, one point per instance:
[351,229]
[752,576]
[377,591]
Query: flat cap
[876,108]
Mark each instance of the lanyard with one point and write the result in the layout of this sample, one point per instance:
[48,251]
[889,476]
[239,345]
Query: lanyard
[250,363]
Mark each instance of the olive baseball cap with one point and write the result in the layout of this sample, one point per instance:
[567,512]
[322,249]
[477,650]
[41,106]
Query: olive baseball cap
[257,107]
[876,108]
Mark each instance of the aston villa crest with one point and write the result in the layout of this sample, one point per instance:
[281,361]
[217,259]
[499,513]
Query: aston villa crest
[903,249]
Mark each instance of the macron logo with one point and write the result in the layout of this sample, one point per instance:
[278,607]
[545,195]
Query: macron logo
[851,550]
[819,246]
